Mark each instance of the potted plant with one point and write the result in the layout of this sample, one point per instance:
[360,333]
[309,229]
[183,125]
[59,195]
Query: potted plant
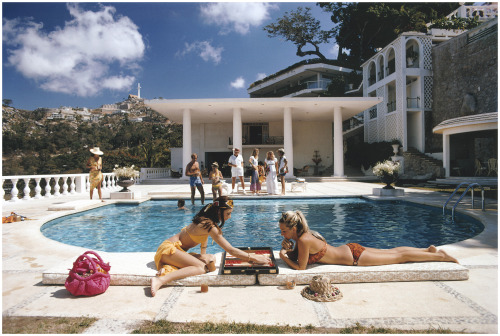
[126,176]
[387,171]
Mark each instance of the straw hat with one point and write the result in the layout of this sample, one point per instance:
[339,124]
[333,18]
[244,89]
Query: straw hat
[96,150]
[215,164]
[321,289]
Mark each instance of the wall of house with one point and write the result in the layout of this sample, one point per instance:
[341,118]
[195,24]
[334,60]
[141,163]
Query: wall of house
[309,136]
[465,80]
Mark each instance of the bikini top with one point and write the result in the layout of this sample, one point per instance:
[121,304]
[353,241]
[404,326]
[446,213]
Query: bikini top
[314,258]
[196,238]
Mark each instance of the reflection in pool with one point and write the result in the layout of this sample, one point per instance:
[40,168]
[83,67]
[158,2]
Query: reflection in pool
[380,224]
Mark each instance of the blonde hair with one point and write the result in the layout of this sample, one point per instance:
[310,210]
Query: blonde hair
[269,154]
[255,152]
[295,219]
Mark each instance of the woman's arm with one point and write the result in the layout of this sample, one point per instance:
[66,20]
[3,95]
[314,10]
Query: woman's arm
[203,247]
[302,259]
[222,242]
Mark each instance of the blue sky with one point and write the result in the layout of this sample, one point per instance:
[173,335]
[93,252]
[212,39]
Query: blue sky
[89,54]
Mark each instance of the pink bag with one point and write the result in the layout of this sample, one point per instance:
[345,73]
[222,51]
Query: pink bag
[89,276]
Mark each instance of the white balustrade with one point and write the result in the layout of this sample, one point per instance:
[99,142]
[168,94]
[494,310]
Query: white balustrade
[64,184]
[152,173]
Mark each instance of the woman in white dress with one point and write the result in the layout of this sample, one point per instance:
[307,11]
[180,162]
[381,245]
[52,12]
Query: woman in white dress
[271,166]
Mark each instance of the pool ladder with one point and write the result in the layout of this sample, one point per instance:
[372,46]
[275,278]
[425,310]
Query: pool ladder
[469,186]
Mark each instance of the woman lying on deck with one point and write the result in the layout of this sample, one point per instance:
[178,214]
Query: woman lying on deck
[171,257]
[312,248]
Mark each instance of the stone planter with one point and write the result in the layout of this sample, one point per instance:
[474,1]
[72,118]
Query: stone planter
[125,184]
[388,180]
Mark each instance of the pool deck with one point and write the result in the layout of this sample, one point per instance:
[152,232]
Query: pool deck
[469,305]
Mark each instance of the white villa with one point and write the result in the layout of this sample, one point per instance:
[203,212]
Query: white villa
[212,127]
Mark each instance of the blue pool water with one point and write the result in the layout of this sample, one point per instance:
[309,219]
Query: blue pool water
[380,224]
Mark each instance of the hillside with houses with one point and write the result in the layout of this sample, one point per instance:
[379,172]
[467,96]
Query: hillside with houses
[56,140]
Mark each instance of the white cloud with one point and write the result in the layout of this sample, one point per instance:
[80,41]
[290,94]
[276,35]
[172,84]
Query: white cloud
[237,16]
[78,58]
[204,49]
[261,75]
[238,83]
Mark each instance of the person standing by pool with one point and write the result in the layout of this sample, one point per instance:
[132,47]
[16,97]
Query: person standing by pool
[174,263]
[215,176]
[195,178]
[94,163]
[271,169]
[283,169]
[254,180]
[262,173]
[312,248]
[236,164]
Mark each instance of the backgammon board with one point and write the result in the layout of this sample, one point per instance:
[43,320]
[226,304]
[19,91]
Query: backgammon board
[232,265]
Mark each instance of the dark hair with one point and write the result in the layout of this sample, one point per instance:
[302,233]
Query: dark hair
[213,213]
[181,203]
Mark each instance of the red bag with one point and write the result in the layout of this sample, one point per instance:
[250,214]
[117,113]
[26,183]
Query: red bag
[89,276]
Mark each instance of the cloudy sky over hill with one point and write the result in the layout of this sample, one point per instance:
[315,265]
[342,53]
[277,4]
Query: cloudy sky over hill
[89,54]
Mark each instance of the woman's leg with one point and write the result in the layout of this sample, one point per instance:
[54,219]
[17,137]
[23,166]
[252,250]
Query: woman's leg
[214,193]
[382,257]
[99,191]
[431,248]
[188,266]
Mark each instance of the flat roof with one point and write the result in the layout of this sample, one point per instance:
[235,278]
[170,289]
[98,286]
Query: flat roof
[261,109]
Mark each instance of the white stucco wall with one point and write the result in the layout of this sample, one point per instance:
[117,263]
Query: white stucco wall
[309,136]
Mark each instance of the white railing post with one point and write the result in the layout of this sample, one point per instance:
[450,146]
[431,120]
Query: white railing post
[65,186]
[14,191]
[80,184]
[38,189]
[26,190]
[57,187]
[48,188]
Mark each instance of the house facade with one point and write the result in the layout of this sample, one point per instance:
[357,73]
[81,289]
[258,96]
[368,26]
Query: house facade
[425,79]
[213,127]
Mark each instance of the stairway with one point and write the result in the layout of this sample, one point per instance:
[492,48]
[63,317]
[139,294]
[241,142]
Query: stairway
[419,164]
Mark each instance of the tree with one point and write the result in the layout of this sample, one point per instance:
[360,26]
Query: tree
[361,28]
[301,28]
[7,102]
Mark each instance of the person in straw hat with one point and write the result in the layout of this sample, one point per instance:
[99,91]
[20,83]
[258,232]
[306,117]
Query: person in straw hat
[95,175]
[312,248]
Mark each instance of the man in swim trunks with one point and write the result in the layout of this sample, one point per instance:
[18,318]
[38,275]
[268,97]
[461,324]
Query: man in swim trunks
[195,178]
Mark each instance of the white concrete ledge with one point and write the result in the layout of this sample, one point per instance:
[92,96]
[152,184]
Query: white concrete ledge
[424,271]
[73,205]
[137,269]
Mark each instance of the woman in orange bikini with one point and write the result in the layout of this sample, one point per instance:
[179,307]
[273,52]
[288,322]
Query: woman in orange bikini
[312,248]
[174,263]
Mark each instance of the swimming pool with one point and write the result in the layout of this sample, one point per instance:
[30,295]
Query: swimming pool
[380,224]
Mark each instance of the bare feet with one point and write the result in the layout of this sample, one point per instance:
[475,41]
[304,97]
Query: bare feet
[432,249]
[447,257]
[155,285]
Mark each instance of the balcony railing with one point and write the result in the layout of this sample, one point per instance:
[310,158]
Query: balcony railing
[413,102]
[32,187]
[352,123]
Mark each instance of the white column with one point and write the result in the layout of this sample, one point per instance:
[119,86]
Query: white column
[338,143]
[446,154]
[186,141]
[288,139]
[237,129]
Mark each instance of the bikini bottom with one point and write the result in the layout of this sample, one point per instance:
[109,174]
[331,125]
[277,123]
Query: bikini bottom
[356,251]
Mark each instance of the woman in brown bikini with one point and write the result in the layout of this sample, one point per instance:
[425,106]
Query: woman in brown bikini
[312,248]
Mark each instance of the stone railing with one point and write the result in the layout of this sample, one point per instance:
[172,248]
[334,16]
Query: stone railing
[151,173]
[27,187]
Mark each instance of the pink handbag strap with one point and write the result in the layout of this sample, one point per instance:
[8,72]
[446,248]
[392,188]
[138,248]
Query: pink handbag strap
[93,264]
[100,262]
